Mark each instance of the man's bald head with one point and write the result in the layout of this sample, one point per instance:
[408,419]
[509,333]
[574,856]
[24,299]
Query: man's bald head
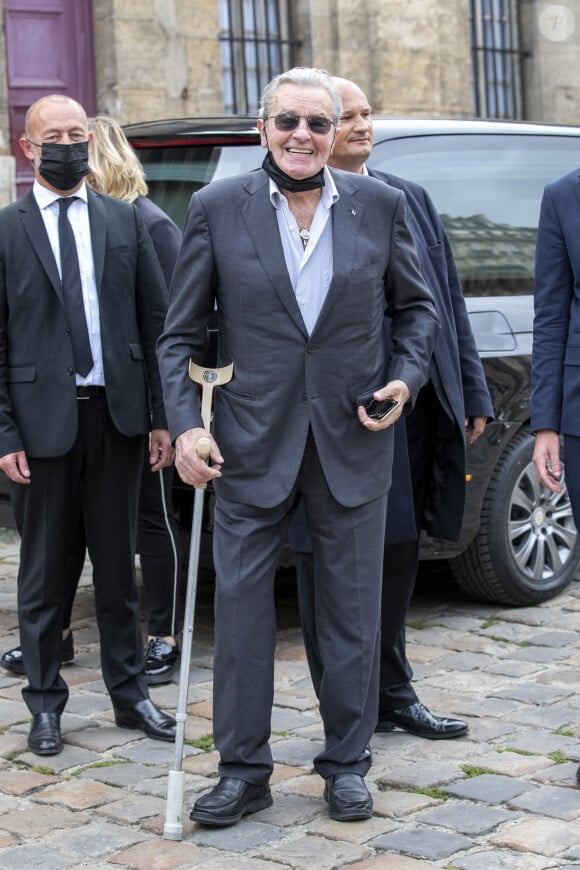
[50,106]
[354,138]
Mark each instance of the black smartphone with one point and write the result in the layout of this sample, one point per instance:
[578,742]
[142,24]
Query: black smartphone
[380,409]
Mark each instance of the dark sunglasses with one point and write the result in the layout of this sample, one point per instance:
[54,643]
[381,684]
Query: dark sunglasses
[315,123]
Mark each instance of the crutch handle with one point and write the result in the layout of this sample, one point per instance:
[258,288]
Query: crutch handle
[203,446]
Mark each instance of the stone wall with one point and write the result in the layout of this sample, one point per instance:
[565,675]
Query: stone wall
[411,57]
[551,39]
[161,58]
[157,58]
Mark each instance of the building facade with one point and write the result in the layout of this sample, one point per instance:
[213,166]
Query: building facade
[146,59]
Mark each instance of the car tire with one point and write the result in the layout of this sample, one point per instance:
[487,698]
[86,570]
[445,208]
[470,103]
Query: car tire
[527,549]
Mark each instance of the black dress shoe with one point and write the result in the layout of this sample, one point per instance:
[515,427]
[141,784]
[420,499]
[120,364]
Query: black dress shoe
[418,720]
[44,735]
[347,797]
[231,799]
[160,661]
[12,660]
[149,718]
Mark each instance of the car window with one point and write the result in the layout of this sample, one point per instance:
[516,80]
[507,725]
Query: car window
[487,189]
[174,173]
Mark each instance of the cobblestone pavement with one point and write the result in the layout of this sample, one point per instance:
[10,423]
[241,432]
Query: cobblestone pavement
[505,796]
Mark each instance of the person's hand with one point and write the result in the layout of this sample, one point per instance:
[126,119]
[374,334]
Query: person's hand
[190,466]
[474,427]
[161,452]
[546,459]
[396,390]
[15,465]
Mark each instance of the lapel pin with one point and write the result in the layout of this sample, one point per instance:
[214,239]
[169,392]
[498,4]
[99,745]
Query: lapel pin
[353,212]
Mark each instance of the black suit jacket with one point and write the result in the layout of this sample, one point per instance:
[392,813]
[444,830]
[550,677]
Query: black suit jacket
[455,370]
[38,407]
[165,235]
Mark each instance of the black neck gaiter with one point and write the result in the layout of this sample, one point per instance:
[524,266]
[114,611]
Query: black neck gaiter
[286,182]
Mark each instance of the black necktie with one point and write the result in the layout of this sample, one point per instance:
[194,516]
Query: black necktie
[72,290]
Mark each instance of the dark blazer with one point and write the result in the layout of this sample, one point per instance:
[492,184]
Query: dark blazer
[455,369]
[286,381]
[556,347]
[38,407]
[165,235]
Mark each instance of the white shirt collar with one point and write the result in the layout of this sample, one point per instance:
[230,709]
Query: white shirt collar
[45,197]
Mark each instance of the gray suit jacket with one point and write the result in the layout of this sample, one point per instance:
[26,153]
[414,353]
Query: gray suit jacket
[38,406]
[285,380]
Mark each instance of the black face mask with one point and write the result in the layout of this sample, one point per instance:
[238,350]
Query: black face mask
[64,166]
[286,182]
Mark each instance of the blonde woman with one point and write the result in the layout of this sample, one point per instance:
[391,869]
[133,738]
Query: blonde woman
[117,171]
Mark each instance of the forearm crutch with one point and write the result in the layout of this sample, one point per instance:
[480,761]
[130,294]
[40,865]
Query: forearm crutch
[207,379]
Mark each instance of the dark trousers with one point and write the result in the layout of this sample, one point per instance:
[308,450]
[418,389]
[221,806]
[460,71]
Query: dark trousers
[401,560]
[101,475]
[347,552]
[399,574]
[159,549]
[572,474]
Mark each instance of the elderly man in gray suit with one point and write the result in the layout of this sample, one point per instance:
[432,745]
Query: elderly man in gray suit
[302,262]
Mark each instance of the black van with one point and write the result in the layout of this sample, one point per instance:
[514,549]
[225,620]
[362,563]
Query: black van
[518,544]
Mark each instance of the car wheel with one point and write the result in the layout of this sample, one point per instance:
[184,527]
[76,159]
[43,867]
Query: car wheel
[527,549]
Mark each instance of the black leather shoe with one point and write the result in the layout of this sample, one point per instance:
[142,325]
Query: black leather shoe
[149,718]
[347,797]
[12,660]
[44,735]
[231,799]
[160,661]
[418,720]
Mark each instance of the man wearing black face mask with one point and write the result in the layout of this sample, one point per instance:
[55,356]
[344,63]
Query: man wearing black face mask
[82,302]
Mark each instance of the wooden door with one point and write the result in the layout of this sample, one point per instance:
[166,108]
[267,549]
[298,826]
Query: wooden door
[49,50]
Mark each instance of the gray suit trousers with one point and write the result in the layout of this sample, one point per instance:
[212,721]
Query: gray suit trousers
[348,554]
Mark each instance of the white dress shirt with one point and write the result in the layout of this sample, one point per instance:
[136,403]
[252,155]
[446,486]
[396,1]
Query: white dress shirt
[310,268]
[78,213]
